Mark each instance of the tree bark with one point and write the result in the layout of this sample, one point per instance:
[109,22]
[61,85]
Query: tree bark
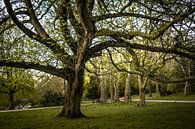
[11,101]
[157,89]
[111,89]
[188,72]
[149,90]
[103,91]
[142,84]
[116,91]
[127,96]
[185,88]
[73,95]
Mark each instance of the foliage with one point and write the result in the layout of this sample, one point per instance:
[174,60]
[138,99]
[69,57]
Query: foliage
[47,85]
[52,99]
[4,101]
[93,91]
[52,84]
[16,83]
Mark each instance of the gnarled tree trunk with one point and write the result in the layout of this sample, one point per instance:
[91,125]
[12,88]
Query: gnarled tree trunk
[73,95]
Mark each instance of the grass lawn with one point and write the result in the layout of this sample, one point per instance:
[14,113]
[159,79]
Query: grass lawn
[179,96]
[174,97]
[108,116]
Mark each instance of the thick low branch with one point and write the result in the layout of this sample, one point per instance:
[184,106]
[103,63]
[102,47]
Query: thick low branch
[179,80]
[48,69]
[1,91]
[121,43]
[115,15]
[120,69]
[158,79]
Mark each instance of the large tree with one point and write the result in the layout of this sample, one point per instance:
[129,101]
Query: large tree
[74,31]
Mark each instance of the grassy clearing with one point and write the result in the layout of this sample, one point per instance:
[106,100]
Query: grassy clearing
[109,116]
[179,96]
[173,97]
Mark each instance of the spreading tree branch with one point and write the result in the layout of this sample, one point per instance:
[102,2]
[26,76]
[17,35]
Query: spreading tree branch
[115,15]
[125,44]
[48,69]
[152,77]
[42,38]
[35,22]
[1,91]
[156,34]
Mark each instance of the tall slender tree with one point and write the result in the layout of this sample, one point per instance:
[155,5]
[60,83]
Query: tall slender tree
[127,96]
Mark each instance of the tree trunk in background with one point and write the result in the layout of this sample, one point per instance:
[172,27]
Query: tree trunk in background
[103,91]
[187,72]
[185,88]
[141,83]
[111,88]
[64,87]
[149,90]
[11,101]
[73,95]
[116,90]
[127,96]
[157,89]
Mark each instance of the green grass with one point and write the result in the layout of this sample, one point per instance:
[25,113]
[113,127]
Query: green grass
[109,116]
[179,96]
[173,97]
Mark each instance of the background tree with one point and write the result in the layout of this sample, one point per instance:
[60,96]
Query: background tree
[184,68]
[93,91]
[52,99]
[15,81]
[127,96]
